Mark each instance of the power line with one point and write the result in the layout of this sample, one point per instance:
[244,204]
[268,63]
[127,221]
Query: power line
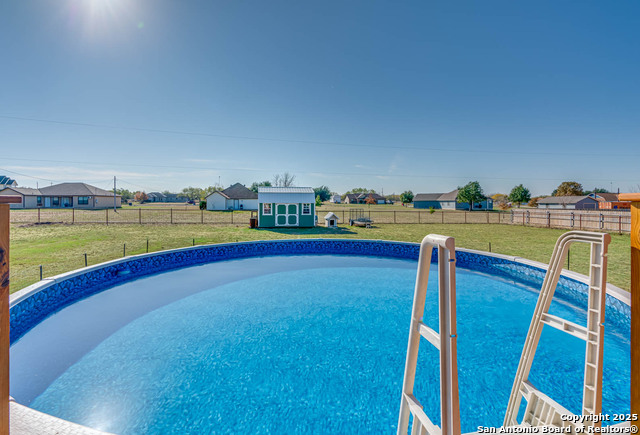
[366,174]
[303,141]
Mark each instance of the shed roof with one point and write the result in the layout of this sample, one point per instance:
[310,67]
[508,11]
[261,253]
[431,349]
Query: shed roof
[266,189]
[286,195]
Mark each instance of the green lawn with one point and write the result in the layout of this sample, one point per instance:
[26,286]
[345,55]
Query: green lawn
[60,248]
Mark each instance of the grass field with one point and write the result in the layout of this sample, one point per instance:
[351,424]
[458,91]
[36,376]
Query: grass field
[61,248]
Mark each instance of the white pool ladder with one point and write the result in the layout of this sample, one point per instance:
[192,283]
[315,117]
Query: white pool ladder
[542,410]
[445,342]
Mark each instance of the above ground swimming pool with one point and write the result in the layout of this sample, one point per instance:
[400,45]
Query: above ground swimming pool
[245,342]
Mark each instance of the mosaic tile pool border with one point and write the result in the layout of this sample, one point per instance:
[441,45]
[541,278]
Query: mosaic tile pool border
[34,303]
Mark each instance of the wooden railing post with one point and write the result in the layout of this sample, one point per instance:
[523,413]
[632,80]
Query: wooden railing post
[4,310]
[4,315]
[635,301]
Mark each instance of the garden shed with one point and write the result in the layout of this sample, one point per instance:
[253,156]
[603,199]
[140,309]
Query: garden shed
[286,207]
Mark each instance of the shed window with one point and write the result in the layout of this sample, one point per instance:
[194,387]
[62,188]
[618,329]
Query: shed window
[56,200]
[266,209]
[83,200]
[306,208]
[39,201]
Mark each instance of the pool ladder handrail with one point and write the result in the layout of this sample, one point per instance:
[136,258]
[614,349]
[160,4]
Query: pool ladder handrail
[445,342]
[541,410]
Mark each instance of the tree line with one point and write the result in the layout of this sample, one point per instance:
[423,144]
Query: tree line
[471,193]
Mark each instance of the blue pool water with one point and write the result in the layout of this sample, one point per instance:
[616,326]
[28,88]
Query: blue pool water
[312,344]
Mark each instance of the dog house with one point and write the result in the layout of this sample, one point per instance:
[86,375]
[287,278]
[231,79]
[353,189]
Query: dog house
[331,220]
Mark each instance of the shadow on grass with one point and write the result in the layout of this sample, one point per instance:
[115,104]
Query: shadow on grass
[322,231]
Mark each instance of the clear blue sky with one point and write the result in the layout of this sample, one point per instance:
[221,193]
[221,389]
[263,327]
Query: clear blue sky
[423,95]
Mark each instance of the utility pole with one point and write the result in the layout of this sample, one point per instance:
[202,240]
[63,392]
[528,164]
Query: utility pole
[114,193]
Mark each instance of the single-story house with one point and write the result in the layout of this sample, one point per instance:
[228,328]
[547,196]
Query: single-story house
[609,201]
[286,207]
[335,199]
[166,197]
[448,201]
[7,182]
[64,195]
[235,197]
[568,203]
[360,198]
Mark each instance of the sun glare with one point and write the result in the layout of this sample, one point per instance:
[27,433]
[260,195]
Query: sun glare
[104,19]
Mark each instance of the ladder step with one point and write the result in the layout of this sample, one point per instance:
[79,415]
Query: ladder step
[418,414]
[565,325]
[432,336]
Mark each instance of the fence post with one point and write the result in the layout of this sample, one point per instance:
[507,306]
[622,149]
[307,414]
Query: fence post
[4,313]
[342,215]
[548,219]
[106,211]
[172,215]
[124,250]
[38,215]
[73,216]
[620,224]
[487,216]
[442,215]
[601,221]
[465,217]
[394,216]
[194,242]
[41,272]
[147,246]
[231,217]
[419,217]
[85,260]
[202,216]
[635,300]
[580,220]
[140,216]
[573,219]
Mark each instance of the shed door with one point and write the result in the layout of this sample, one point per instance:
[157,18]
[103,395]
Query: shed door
[286,215]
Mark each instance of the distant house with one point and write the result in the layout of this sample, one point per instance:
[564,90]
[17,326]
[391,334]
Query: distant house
[236,197]
[568,203]
[448,201]
[609,201]
[360,198]
[166,197]
[64,195]
[351,198]
[156,197]
[7,182]
[335,199]
[286,207]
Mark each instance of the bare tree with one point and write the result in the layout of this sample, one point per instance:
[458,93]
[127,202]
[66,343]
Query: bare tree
[284,180]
